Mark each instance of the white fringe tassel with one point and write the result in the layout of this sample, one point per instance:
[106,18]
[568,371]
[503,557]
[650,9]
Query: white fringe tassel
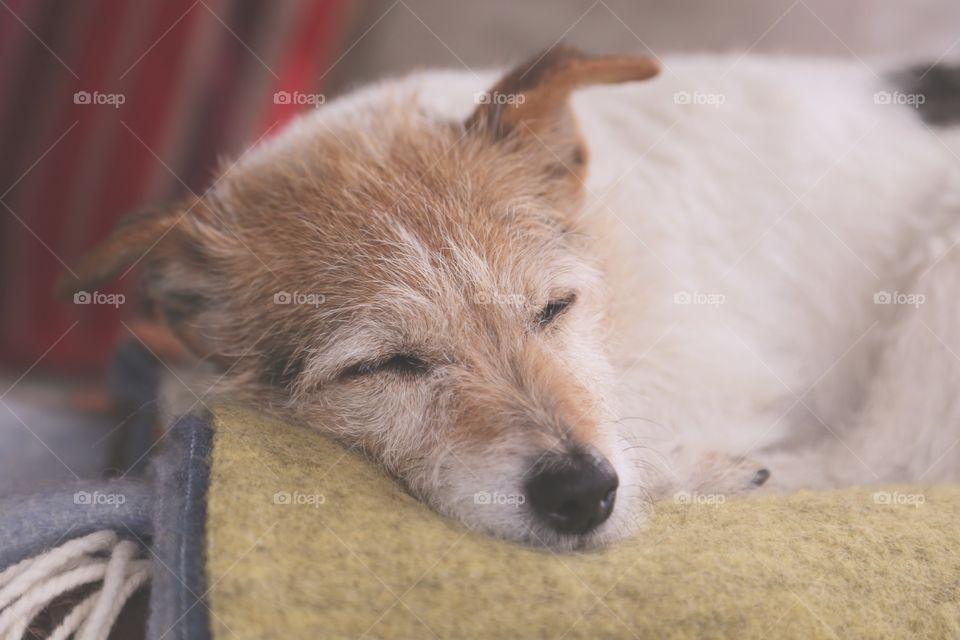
[30,586]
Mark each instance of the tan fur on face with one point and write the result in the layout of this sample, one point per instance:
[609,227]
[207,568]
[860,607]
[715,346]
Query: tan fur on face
[406,235]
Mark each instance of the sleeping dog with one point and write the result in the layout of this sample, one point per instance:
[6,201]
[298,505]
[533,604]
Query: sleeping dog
[545,298]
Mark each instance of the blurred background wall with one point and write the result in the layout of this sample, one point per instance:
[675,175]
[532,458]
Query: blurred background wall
[423,33]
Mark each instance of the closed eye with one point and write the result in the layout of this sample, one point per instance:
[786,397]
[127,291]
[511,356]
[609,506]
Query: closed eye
[553,309]
[403,364]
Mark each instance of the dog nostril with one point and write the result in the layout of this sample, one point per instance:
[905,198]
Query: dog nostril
[573,493]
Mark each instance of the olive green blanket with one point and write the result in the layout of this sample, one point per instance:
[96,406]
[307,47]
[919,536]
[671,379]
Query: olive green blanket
[307,540]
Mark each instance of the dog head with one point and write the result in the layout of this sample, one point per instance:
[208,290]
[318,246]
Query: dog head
[416,288]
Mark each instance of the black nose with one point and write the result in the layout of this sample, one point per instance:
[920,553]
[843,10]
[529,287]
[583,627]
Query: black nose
[574,492]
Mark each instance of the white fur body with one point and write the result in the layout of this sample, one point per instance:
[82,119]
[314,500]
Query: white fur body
[784,213]
[781,213]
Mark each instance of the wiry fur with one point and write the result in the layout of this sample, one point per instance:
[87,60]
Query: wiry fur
[797,200]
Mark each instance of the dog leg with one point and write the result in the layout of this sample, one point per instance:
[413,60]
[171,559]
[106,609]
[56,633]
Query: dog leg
[689,472]
[908,429]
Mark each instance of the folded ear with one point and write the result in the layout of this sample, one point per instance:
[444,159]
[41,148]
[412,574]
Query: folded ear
[129,243]
[532,99]
[177,252]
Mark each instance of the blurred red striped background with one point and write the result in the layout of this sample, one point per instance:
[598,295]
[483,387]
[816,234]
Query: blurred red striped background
[197,80]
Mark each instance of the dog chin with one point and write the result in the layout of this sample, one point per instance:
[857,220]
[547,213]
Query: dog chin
[539,536]
[619,526]
[559,542]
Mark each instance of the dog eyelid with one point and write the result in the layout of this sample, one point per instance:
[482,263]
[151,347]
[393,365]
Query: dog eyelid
[554,309]
[402,363]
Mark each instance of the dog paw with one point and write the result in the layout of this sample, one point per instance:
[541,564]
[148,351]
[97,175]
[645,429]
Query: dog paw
[720,473]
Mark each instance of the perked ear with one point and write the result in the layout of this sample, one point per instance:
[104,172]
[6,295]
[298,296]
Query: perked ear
[533,98]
